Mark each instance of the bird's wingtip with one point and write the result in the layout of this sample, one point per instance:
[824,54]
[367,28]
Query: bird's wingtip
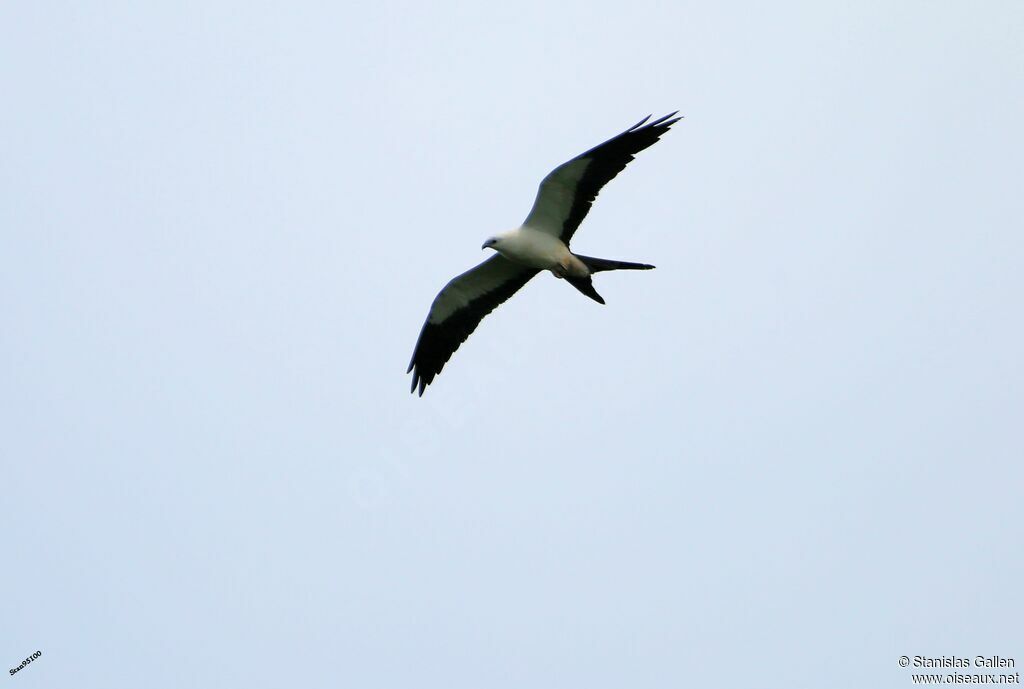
[639,123]
[667,120]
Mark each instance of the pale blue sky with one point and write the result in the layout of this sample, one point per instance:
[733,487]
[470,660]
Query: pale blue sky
[786,457]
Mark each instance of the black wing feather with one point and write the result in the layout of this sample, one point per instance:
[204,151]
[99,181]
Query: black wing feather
[495,280]
[605,161]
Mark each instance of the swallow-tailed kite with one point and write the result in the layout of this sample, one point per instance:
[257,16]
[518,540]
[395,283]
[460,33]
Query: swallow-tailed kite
[542,243]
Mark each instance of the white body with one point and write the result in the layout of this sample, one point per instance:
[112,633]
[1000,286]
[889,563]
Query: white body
[538,249]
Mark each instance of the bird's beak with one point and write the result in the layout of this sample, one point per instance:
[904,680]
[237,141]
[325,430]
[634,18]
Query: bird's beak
[486,244]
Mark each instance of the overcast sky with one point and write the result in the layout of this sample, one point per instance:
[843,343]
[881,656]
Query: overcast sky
[786,457]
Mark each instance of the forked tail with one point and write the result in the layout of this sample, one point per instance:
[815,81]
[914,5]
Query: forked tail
[596,265]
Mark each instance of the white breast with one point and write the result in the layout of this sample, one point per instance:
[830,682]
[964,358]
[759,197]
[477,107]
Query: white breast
[533,248]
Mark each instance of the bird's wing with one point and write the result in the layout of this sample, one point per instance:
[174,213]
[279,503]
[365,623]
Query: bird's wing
[458,309]
[566,194]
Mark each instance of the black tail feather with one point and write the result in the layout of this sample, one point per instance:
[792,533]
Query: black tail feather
[586,286]
[596,265]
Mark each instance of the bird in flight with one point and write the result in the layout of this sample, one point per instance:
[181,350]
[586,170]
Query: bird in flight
[541,243]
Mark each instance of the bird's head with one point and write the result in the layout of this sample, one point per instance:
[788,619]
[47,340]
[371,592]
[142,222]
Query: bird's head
[491,243]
